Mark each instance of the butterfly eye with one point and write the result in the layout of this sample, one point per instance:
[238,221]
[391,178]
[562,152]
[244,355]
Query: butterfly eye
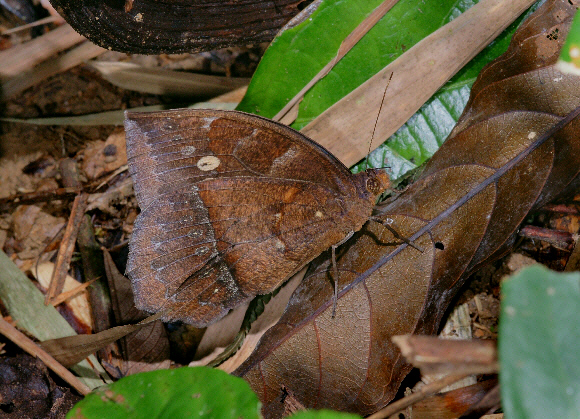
[373,185]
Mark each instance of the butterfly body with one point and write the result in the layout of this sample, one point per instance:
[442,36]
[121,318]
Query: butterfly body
[232,205]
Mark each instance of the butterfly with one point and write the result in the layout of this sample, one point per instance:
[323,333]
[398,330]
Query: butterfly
[232,205]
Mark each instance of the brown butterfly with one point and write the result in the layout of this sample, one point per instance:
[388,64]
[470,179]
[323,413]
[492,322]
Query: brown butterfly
[232,205]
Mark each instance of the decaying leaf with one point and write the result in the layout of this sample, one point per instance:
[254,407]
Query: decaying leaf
[462,212]
[147,348]
[146,27]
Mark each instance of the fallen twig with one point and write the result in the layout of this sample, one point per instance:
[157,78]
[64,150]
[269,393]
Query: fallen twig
[66,249]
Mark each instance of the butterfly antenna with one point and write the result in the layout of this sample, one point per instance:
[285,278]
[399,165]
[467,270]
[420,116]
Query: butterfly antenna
[377,120]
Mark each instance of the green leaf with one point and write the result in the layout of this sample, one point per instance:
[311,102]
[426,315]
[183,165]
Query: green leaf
[297,55]
[539,344]
[179,393]
[323,414]
[569,61]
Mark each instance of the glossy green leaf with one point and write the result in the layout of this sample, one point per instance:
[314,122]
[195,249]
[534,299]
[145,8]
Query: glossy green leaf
[323,414]
[180,393]
[299,53]
[539,344]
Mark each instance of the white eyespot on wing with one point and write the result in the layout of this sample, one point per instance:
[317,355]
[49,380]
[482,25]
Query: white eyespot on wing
[318,214]
[532,135]
[207,163]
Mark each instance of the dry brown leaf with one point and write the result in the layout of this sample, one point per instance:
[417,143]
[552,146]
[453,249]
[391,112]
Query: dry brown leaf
[463,212]
[147,348]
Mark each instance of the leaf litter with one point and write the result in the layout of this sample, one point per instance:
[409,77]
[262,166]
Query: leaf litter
[111,229]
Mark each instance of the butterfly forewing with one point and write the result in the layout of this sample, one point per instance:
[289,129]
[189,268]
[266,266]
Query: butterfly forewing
[232,205]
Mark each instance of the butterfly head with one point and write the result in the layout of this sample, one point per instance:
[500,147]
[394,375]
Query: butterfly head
[377,181]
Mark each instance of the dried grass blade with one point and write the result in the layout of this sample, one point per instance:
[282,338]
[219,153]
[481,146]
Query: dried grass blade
[24,57]
[55,65]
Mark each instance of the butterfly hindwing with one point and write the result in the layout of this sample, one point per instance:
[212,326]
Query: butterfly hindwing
[229,208]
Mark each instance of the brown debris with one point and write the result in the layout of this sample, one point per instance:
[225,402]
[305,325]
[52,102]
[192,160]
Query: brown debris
[33,231]
[28,391]
[101,157]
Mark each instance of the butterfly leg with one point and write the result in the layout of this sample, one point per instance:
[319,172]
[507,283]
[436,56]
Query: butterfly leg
[335,269]
[386,224]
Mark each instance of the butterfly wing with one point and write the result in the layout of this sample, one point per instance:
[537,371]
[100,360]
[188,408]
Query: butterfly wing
[232,205]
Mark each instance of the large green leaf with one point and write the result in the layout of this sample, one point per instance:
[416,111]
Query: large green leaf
[539,344]
[299,53]
[180,393]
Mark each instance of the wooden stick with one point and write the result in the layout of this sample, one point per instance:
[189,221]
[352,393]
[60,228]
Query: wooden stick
[66,249]
[431,352]
[33,349]
[417,75]
[72,293]
[423,393]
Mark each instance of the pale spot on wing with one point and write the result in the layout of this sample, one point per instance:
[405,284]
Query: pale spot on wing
[188,150]
[207,122]
[285,159]
[195,233]
[318,214]
[532,135]
[280,245]
[201,251]
[207,163]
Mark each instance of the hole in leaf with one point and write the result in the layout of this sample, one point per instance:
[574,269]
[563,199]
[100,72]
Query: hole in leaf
[7,407]
[439,245]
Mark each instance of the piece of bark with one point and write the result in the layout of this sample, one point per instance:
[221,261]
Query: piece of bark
[434,355]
